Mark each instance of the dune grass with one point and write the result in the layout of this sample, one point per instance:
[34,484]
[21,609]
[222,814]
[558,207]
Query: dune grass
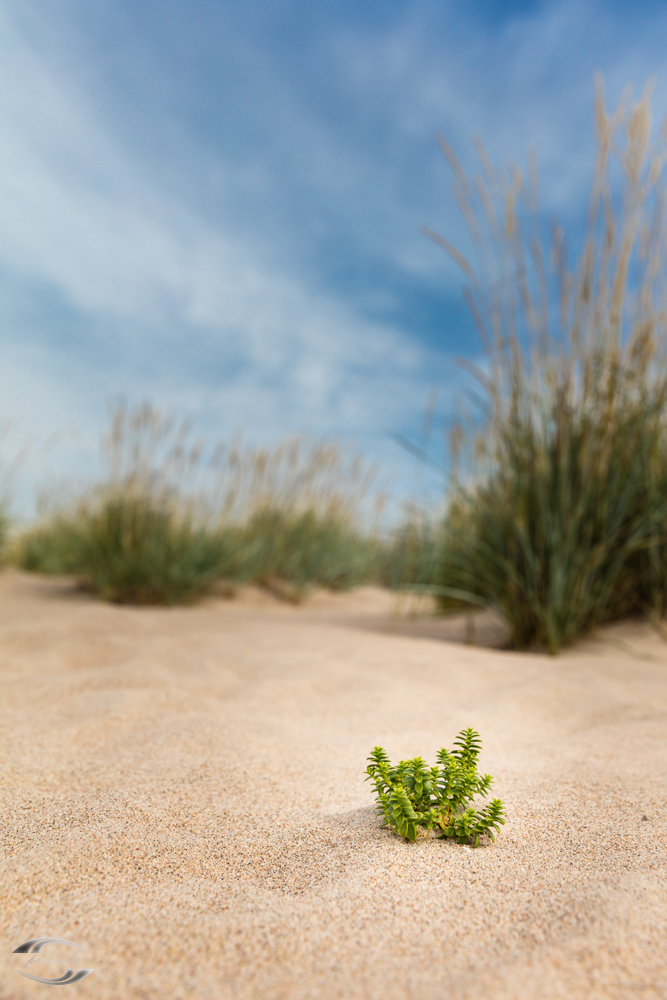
[168,522]
[558,518]
[411,557]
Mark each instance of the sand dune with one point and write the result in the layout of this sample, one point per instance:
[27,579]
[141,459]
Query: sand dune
[184,796]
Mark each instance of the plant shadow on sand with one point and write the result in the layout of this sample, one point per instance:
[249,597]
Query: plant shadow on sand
[374,609]
[482,628]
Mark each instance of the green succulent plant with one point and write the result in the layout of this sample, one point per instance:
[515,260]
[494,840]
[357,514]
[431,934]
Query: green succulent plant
[411,795]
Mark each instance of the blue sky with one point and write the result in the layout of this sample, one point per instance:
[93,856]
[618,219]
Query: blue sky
[215,205]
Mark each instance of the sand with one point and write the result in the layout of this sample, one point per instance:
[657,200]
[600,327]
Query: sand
[184,795]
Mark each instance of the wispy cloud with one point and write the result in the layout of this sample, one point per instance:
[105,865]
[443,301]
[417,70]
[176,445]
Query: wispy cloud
[224,216]
[173,305]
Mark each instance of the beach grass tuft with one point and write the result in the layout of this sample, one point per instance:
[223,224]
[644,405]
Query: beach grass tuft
[168,521]
[558,511]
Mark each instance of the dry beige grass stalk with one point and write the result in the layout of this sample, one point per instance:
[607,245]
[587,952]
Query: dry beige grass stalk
[576,382]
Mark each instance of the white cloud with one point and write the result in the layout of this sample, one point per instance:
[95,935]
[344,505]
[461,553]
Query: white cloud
[201,307]
[170,297]
[527,83]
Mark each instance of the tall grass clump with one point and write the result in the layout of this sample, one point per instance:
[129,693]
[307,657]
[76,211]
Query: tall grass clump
[167,521]
[137,536]
[11,459]
[300,513]
[411,557]
[5,526]
[558,511]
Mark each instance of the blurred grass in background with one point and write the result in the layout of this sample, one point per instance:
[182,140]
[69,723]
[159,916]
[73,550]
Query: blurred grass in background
[168,522]
[558,517]
[12,457]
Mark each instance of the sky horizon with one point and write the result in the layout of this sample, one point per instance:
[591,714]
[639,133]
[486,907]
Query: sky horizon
[216,206]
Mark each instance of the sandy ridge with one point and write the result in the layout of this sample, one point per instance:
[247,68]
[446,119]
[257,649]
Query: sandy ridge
[184,794]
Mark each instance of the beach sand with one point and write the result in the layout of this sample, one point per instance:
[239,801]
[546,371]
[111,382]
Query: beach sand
[184,795]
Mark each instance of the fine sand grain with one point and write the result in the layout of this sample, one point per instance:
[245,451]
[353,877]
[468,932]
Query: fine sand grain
[184,795]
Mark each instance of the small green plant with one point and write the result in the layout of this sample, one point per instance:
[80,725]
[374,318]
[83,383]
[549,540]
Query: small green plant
[411,795]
